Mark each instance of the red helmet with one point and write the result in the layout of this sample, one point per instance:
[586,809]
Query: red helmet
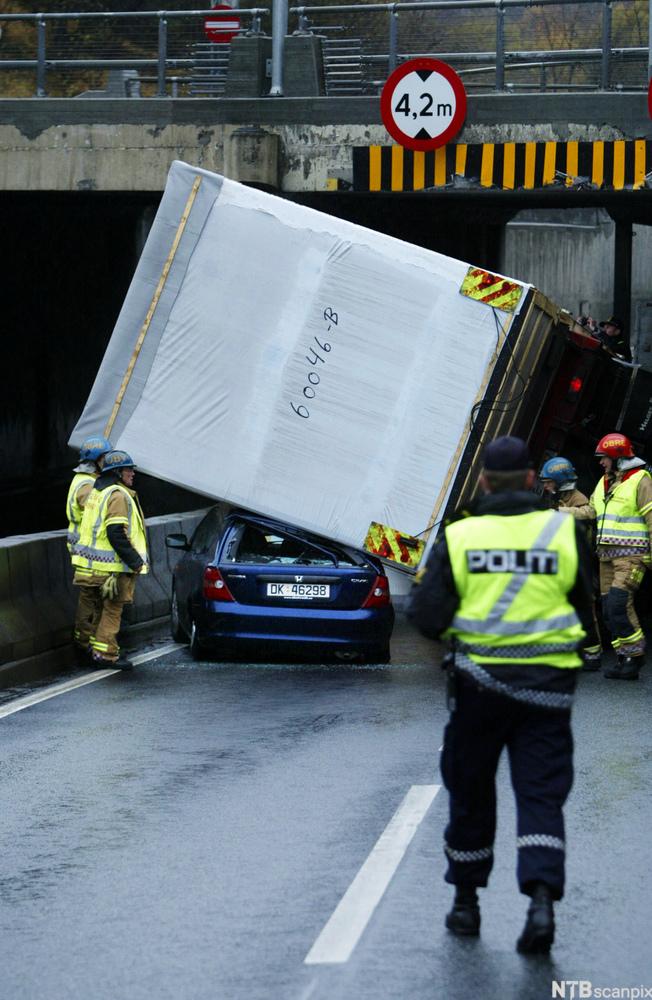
[615,445]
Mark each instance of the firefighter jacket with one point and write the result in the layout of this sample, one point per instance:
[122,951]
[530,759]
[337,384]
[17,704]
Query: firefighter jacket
[571,498]
[623,509]
[112,536]
[512,585]
[80,487]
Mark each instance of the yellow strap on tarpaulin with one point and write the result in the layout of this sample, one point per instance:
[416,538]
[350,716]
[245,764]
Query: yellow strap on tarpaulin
[388,543]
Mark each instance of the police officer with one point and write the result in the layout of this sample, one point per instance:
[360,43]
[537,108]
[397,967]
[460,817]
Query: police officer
[559,480]
[112,549]
[511,586]
[91,458]
[622,506]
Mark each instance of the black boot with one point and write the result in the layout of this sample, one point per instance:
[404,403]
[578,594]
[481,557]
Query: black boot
[539,930]
[613,673]
[83,656]
[630,668]
[101,663]
[464,918]
[626,669]
[592,662]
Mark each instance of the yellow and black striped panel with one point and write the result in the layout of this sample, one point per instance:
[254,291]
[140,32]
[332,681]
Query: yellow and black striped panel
[511,165]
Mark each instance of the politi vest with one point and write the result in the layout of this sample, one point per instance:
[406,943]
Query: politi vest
[513,575]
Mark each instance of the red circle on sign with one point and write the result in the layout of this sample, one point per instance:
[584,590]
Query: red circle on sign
[221,29]
[419,142]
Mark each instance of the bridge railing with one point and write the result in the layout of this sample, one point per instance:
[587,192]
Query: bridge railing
[71,54]
[547,45]
[495,45]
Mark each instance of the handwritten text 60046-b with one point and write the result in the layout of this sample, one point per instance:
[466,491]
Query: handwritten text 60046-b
[316,357]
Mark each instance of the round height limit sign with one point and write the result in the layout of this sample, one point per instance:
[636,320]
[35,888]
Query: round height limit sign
[423,104]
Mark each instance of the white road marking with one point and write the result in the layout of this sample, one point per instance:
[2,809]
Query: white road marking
[18,704]
[341,934]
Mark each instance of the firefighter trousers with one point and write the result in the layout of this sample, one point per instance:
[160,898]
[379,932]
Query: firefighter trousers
[102,616]
[539,744]
[620,578]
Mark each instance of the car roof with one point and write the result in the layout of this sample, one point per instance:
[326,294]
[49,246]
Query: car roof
[259,521]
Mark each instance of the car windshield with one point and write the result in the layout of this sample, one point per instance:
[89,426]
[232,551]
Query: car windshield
[256,545]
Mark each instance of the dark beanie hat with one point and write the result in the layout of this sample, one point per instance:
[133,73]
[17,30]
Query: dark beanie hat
[506,454]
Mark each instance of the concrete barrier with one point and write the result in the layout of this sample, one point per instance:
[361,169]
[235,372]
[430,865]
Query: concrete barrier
[38,600]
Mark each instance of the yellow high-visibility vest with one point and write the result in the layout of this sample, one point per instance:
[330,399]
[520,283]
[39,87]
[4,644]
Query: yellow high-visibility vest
[618,519]
[513,575]
[94,552]
[73,509]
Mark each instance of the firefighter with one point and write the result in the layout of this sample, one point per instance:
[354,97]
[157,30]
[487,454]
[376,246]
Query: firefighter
[559,480]
[622,506]
[511,586]
[111,551]
[91,458]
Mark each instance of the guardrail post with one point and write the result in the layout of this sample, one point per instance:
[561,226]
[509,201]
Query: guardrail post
[279,31]
[393,38]
[40,57]
[162,54]
[500,46]
[606,45]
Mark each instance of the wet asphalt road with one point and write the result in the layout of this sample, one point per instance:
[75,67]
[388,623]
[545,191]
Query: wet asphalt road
[186,831]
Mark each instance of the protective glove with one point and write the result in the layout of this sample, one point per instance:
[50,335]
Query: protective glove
[109,588]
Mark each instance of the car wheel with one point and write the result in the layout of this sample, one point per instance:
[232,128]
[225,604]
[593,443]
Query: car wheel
[197,651]
[380,655]
[177,632]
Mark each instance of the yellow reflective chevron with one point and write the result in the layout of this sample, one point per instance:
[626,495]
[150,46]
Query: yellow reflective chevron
[391,544]
[491,289]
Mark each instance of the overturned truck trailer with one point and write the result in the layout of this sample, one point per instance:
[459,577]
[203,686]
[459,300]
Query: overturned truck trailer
[306,368]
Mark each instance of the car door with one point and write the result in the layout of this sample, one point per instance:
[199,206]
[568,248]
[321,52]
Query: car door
[189,574]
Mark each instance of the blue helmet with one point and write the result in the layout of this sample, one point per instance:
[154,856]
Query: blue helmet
[118,460]
[559,469]
[93,448]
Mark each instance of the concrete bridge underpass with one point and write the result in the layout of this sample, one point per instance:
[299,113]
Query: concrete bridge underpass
[80,181]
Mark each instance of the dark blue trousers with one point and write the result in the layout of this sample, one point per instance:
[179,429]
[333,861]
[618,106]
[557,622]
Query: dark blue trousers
[540,748]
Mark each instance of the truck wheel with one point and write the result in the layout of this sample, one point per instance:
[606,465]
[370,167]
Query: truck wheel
[176,631]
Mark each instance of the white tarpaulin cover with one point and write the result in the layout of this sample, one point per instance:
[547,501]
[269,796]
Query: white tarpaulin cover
[293,363]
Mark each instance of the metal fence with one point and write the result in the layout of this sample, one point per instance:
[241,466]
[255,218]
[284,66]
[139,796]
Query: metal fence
[500,45]
[495,45]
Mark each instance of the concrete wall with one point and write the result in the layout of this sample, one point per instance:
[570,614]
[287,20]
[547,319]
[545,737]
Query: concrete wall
[128,144]
[38,600]
[569,255]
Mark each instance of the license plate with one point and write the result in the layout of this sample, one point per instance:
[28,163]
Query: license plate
[298,591]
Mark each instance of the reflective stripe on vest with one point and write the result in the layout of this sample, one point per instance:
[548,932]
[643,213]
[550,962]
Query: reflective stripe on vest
[93,551]
[618,519]
[513,574]
[73,510]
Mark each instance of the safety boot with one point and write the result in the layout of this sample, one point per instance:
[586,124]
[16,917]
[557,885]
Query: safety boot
[122,663]
[464,918]
[627,668]
[630,667]
[539,930]
[613,673]
[592,662]
[83,655]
